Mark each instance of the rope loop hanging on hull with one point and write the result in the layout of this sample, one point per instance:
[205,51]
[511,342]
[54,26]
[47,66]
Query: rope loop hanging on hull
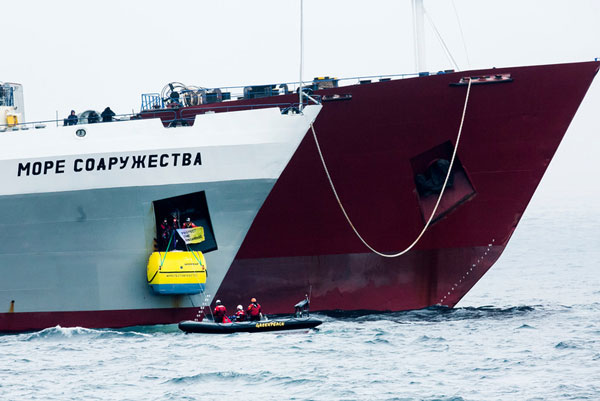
[395,255]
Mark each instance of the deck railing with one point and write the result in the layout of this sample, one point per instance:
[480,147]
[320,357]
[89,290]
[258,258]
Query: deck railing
[196,96]
[170,117]
[217,100]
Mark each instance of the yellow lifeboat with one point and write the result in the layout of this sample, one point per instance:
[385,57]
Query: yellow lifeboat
[171,273]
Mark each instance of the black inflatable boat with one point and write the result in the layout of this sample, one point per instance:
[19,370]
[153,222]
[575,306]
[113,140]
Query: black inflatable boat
[209,327]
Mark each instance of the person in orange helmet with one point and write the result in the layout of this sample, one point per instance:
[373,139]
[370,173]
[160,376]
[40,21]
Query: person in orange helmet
[254,310]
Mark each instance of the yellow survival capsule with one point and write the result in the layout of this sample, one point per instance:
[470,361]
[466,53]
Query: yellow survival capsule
[171,273]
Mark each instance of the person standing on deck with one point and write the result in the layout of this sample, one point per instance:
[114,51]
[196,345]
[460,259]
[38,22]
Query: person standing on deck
[72,119]
[165,234]
[174,226]
[107,115]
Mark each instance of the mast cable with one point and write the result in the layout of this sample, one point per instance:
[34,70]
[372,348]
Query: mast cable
[415,34]
[385,255]
[437,33]
[462,35]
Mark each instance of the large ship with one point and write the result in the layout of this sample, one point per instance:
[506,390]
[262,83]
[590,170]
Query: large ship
[384,145]
[82,203]
[385,142]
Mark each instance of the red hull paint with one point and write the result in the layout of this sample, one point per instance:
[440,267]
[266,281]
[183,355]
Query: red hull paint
[421,279]
[300,238]
[25,321]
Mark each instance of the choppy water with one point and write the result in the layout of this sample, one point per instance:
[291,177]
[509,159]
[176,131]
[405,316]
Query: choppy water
[530,330]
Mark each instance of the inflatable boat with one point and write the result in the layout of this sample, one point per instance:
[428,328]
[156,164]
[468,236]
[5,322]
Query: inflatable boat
[210,327]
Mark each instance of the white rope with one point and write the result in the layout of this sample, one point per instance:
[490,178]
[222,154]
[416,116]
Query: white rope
[436,204]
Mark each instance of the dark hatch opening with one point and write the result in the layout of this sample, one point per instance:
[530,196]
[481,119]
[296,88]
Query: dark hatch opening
[192,206]
[430,169]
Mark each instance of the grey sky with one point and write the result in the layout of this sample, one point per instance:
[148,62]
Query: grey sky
[72,54]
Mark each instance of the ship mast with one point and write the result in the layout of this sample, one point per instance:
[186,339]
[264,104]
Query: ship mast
[300,84]
[419,34]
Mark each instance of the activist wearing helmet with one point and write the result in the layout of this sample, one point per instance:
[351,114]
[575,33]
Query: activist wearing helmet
[254,310]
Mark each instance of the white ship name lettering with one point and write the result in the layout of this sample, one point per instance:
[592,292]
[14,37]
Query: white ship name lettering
[110,163]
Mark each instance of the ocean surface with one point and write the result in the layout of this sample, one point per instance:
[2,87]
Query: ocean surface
[529,330]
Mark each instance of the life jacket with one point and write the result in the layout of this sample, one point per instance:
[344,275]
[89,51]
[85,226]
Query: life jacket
[254,309]
[240,316]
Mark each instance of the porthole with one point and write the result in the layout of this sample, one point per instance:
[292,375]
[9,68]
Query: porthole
[80,132]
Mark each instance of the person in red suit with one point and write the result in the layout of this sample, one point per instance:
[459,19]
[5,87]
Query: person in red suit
[188,223]
[240,315]
[254,310]
[165,234]
[220,312]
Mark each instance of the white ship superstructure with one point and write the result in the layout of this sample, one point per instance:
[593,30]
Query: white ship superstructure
[80,207]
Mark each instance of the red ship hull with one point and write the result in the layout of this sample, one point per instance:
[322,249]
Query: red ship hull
[374,144]
[29,321]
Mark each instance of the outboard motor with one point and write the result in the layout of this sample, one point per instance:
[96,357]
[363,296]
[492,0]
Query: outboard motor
[302,307]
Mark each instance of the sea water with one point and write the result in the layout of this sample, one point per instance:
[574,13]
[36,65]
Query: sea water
[529,330]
